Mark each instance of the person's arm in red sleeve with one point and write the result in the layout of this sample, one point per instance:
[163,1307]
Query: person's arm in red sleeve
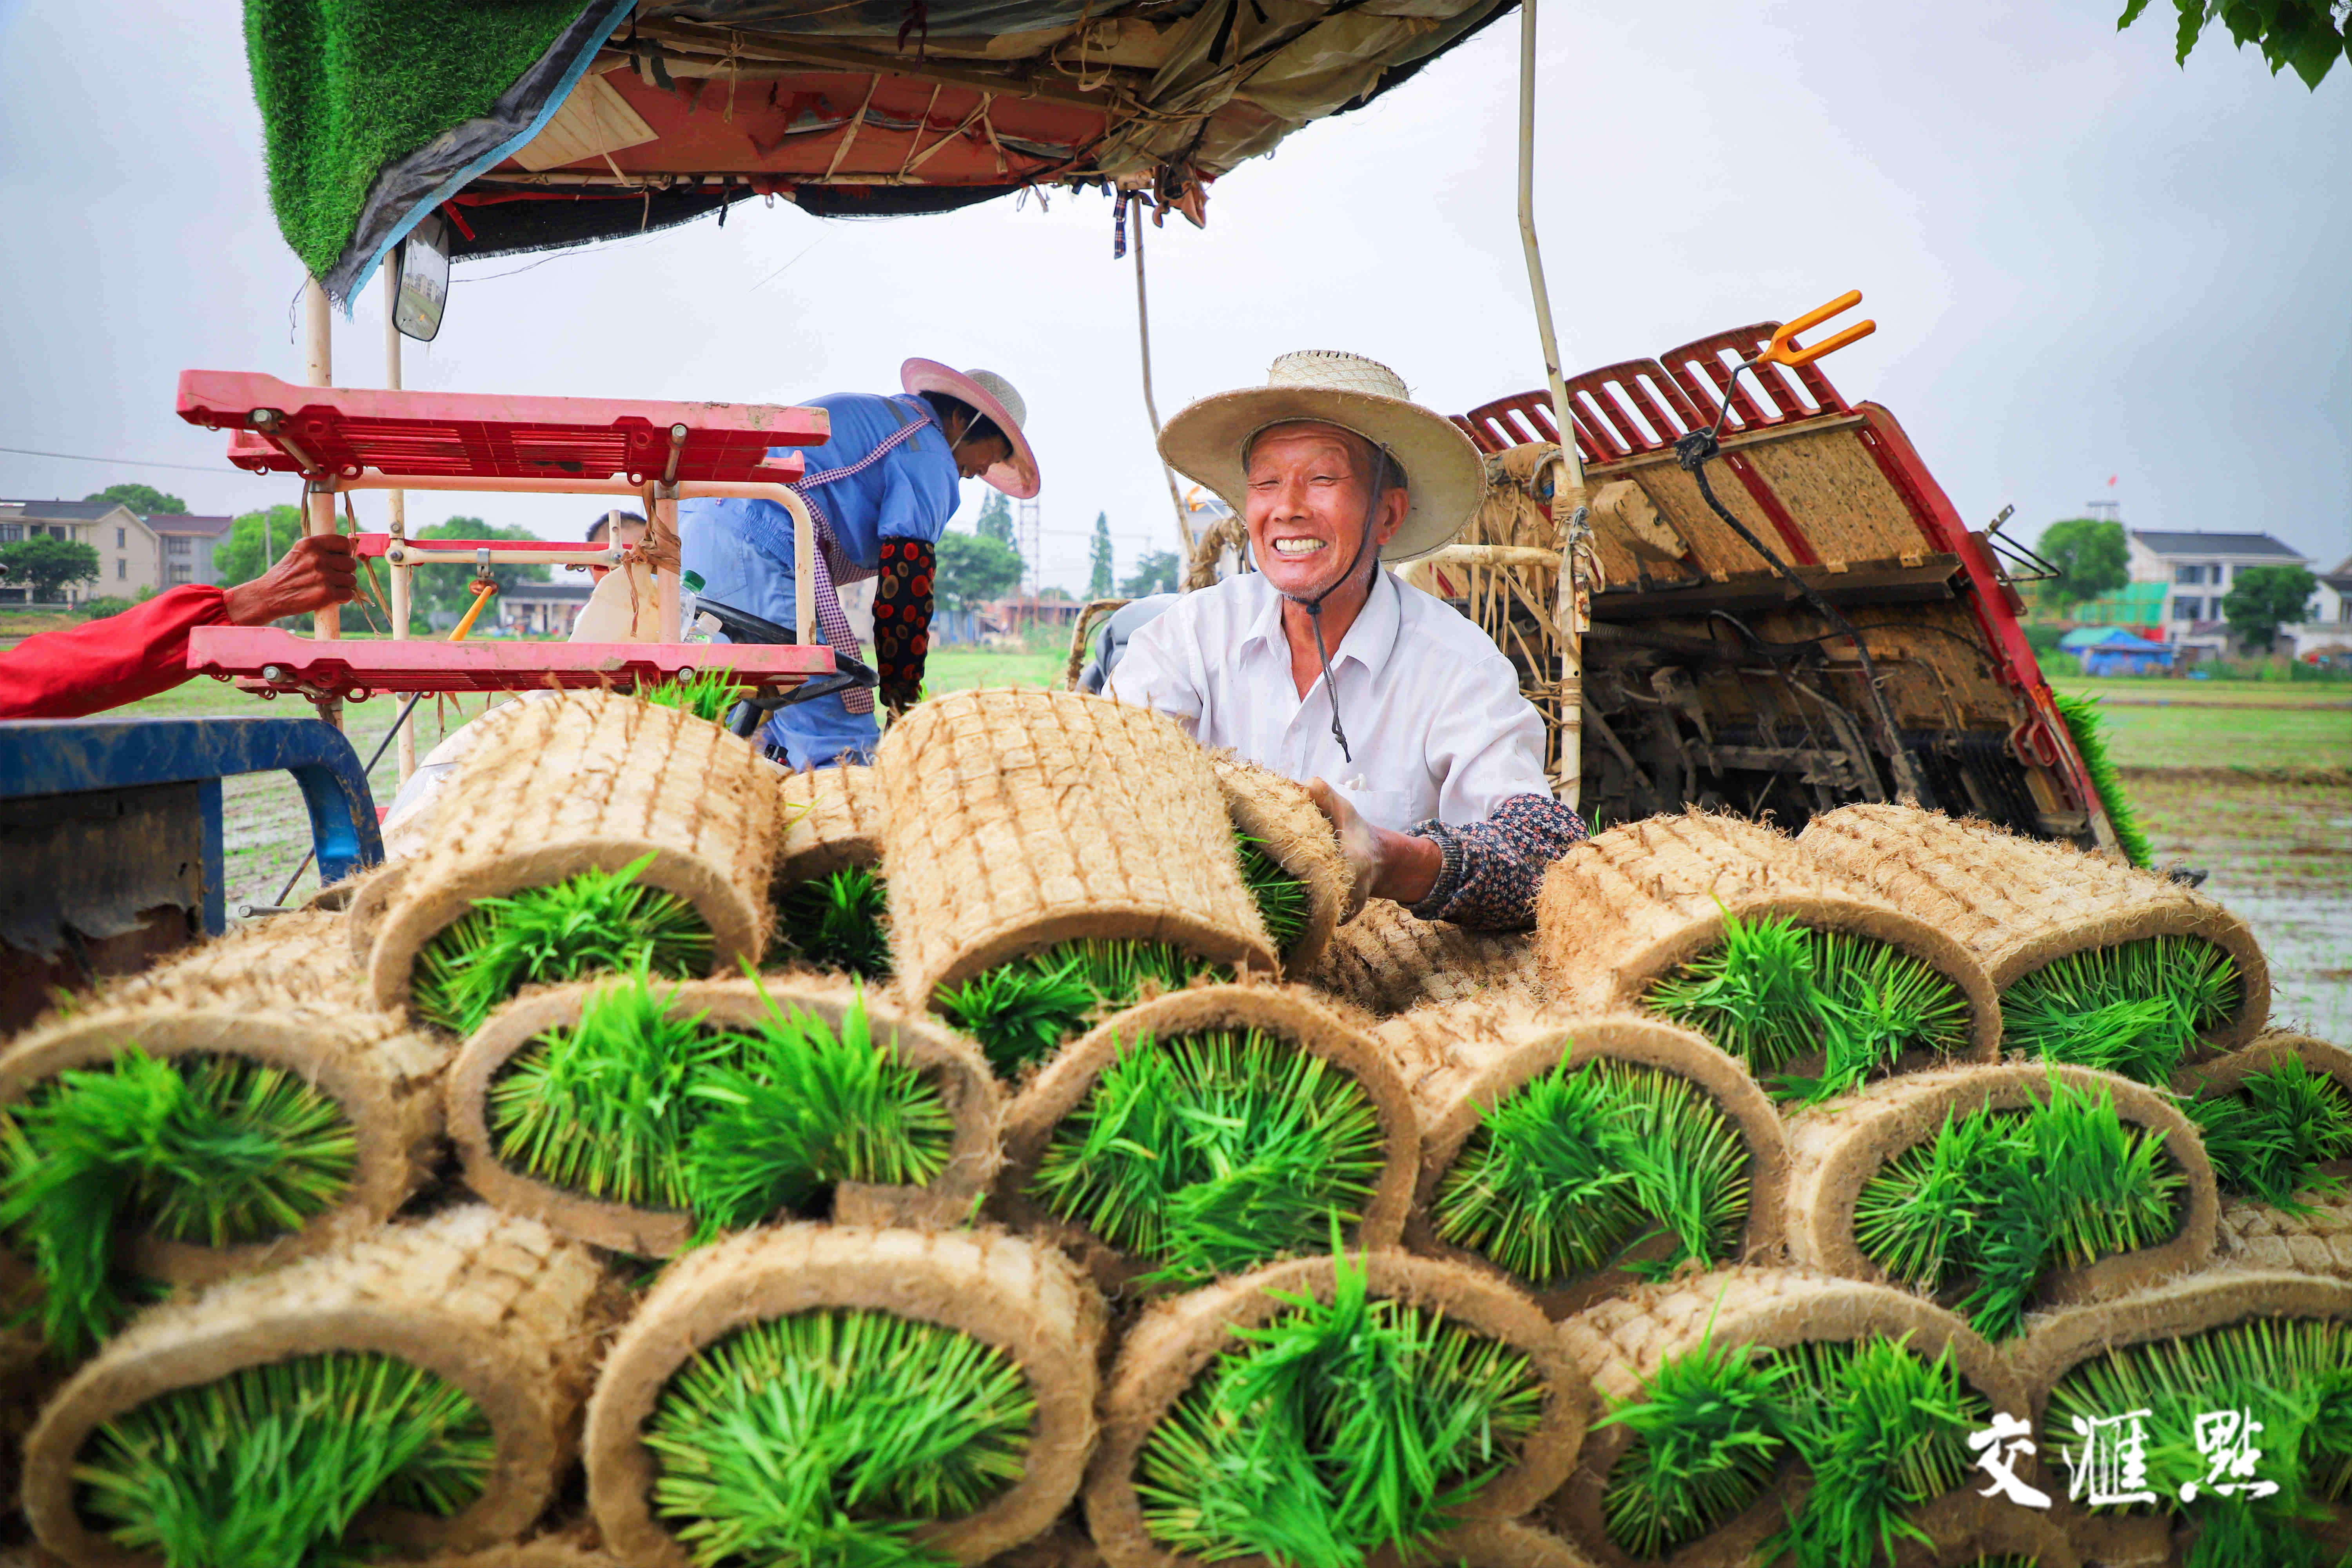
[106,663]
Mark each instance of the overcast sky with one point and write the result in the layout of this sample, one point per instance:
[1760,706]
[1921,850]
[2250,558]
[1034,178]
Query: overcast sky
[2082,260]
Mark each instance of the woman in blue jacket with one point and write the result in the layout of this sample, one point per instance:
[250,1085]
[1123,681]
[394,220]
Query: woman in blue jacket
[881,491]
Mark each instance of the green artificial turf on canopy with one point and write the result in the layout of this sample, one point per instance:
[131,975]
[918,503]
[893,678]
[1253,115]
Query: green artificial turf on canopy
[347,86]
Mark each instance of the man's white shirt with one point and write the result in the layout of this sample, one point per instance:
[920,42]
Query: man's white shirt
[1435,718]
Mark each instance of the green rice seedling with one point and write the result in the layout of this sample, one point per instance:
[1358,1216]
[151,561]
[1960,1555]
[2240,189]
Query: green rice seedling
[711,694]
[268,1467]
[1882,1429]
[823,1440]
[1335,1430]
[1282,902]
[802,1109]
[1776,990]
[1997,1199]
[603,1106]
[2293,1375]
[585,924]
[1021,1011]
[1578,1163]
[1212,1152]
[2136,1008]
[1705,1442]
[2088,726]
[839,922]
[633,1106]
[2270,1134]
[210,1150]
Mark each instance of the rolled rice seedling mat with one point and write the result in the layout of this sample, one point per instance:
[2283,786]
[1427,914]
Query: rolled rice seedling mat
[206,1122]
[2313,1238]
[1404,1360]
[2277,1117]
[1696,1343]
[1564,1154]
[1388,961]
[1722,925]
[682,1085]
[2276,1346]
[1018,820]
[594,783]
[1962,1533]
[975,1310]
[1226,1123]
[500,1310]
[1918,1131]
[832,903]
[2019,905]
[1283,820]
[833,819]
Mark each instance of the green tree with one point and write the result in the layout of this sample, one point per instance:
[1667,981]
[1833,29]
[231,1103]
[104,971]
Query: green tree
[1098,578]
[45,566]
[2090,555]
[256,540]
[449,589]
[2265,598]
[139,498]
[995,518]
[2309,35]
[973,569]
[1155,573]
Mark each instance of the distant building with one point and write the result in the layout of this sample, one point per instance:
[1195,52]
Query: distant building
[2197,571]
[135,551]
[2327,629]
[543,609]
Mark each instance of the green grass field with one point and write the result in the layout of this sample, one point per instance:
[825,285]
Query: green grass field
[2222,723]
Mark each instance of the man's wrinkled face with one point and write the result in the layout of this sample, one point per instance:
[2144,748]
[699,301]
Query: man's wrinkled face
[1308,484]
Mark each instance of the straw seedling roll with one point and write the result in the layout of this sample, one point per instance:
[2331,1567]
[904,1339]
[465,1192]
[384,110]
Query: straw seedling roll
[603,832]
[2097,964]
[1324,1409]
[2276,1118]
[634,1113]
[1803,973]
[221,1114]
[832,902]
[815,1393]
[1388,959]
[1054,857]
[1208,1131]
[420,1387]
[2001,1190]
[1572,1156]
[2276,1348]
[1812,1420]
[1290,858]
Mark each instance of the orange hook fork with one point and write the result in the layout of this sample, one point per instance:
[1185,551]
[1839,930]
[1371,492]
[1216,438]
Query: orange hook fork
[1784,348]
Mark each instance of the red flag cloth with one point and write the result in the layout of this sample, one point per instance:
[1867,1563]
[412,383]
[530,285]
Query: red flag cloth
[109,661]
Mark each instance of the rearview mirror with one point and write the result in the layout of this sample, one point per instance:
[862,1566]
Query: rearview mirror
[423,280]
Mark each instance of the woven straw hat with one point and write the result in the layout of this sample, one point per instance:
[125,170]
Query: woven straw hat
[1445,476]
[994,396]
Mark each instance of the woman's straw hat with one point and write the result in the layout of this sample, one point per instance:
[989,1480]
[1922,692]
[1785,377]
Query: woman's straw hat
[993,396]
[1445,474]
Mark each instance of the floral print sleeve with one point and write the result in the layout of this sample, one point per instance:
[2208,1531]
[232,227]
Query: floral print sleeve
[1492,867]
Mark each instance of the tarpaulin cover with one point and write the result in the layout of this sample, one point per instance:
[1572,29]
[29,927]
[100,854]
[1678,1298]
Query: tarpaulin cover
[540,124]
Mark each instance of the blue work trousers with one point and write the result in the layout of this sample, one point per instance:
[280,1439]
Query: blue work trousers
[738,574]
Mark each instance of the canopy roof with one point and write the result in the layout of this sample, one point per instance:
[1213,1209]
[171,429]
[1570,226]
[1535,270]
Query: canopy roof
[540,123]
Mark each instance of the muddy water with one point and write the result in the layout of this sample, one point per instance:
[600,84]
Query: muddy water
[2280,855]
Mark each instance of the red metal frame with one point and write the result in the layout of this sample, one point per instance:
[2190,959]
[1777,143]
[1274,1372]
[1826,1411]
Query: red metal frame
[350,668]
[345,431]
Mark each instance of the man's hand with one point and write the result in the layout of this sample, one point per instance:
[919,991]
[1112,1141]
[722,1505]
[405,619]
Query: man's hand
[1387,865]
[319,571]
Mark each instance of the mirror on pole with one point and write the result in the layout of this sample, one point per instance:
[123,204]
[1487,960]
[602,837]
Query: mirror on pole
[424,279]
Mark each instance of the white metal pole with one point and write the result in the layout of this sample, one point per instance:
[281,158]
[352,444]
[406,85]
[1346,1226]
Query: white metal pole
[1150,403]
[319,369]
[396,505]
[1568,481]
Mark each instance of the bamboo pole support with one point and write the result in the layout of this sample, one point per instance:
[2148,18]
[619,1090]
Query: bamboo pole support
[1567,478]
[319,506]
[396,505]
[1151,403]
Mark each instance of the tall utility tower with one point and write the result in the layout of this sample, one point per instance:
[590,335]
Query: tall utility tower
[1028,539]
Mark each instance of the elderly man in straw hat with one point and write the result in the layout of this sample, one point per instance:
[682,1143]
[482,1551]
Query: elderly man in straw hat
[1405,720]
[881,492]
